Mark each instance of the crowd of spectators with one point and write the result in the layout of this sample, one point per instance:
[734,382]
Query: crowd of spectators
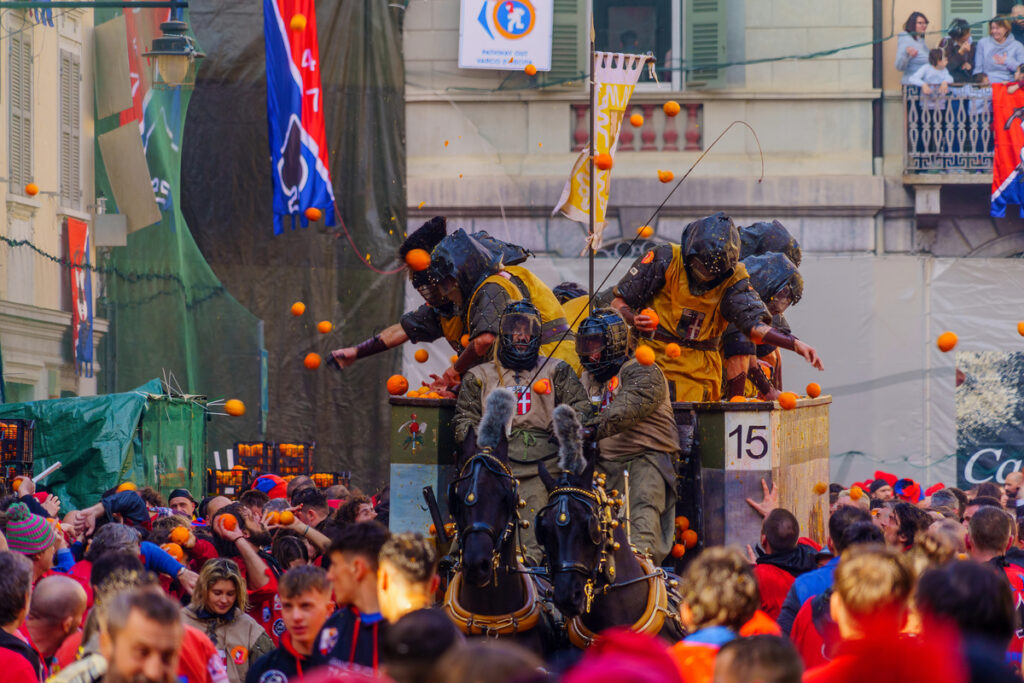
[917,584]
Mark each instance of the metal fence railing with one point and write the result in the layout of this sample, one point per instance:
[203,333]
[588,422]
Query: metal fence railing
[948,133]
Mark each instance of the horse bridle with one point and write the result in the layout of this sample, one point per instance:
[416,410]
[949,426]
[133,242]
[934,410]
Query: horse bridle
[603,509]
[471,471]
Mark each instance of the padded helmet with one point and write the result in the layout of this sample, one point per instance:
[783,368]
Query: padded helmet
[776,280]
[763,238]
[458,261]
[519,336]
[603,332]
[712,247]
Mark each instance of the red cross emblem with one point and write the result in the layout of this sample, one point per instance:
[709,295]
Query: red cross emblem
[523,401]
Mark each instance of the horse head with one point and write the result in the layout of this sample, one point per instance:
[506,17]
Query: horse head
[576,526]
[484,498]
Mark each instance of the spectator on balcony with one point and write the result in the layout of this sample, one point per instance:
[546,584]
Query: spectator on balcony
[933,78]
[998,55]
[959,49]
[911,50]
[1017,25]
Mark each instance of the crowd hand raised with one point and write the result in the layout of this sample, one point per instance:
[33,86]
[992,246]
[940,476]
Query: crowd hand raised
[769,501]
[52,504]
[809,354]
[230,535]
[343,358]
[188,578]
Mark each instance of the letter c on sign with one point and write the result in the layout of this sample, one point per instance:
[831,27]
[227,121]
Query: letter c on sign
[1014,466]
[969,468]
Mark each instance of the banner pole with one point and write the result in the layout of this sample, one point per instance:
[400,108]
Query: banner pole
[593,189]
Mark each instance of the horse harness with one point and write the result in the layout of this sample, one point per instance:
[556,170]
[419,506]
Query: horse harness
[527,616]
[602,524]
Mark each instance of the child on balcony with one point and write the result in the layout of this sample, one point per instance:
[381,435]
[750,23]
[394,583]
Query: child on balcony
[1018,80]
[932,74]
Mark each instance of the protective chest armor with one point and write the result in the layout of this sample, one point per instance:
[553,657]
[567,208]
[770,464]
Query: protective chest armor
[533,410]
[657,432]
[552,318]
[696,374]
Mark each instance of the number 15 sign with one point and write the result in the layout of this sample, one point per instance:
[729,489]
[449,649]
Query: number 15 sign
[749,442]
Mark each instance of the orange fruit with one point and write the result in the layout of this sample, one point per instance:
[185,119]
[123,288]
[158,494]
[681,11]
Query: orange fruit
[433,527]
[180,534]
[1020,328]
[603,161]
[682,524]
[433,394]
[234,407]
[417,259]
[413,394]
[464,340]
[287,517]
[542,386]
[454,359]
[229,522]
[787,399]
[174,550]
[421,355]
[311,361]
[274,518]
[673,350]
[314,214]
[856,492]
[636,120]
[690,538]
[127,486]
[298,22]
[397,385]
[645,231]
[946,341]
[17,483]
[678,550]
[814,390]
[530,70]
[665,176]
[671,108]
[649,312]
[738,399]
[298,308]
[31,189]
[820,488]
[324,326]
[645,355]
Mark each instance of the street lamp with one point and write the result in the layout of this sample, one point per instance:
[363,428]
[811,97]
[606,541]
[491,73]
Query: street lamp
[175,52]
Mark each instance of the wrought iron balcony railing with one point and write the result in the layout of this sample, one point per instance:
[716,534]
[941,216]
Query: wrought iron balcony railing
[948,133]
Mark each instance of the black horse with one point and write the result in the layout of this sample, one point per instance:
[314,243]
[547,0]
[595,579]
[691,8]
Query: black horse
[490,594]
[599,581]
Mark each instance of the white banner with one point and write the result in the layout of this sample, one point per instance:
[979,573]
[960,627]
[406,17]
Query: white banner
[505,34]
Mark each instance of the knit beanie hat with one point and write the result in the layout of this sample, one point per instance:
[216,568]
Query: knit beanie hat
[27,533]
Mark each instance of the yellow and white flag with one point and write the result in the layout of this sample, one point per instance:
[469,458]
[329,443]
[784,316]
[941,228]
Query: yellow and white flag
[615,77]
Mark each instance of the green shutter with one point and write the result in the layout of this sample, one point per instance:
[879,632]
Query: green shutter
[976,12]
[705,42]
[569,44]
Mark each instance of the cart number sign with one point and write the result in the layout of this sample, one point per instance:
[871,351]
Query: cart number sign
[748,441]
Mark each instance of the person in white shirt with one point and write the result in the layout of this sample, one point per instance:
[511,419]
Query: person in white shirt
[934,73]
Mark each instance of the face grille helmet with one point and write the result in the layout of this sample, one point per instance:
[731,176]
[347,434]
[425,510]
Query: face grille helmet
[711,248]
[519,337]
[603,334]
[776,280]
[458,261]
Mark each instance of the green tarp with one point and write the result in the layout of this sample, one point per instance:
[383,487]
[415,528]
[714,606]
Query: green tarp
[99,439]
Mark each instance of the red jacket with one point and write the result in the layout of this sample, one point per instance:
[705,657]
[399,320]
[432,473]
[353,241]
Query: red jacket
[774,583]
[809,643]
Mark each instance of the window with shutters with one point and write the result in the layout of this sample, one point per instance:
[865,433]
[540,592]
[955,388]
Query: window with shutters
[679,33]
[70,130]
[974,11]
[19,113]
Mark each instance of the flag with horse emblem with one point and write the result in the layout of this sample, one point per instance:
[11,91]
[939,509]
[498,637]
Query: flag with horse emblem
[616,76]
[295,110]
[1008,161]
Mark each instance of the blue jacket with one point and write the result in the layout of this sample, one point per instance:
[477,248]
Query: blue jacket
[805,587]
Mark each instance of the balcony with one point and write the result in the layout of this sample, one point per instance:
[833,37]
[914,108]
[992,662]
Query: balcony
[949,137]
[659,133]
